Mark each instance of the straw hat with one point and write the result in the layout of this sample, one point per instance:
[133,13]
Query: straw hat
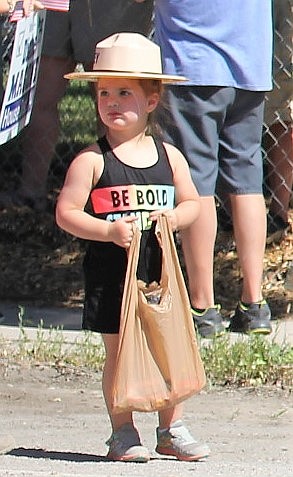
[126,55]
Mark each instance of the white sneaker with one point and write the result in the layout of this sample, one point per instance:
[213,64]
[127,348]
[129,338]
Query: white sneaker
[178,441]
[125,445]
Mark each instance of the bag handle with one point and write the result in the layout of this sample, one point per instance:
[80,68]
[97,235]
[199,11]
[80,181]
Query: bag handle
[133,251]
[164,236]
[130,276]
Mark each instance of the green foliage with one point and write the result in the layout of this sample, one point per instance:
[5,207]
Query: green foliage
[244,361]
[50,346]
[250,361]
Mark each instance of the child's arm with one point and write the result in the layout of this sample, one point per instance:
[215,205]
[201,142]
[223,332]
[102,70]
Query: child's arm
[186,196]
[82,174]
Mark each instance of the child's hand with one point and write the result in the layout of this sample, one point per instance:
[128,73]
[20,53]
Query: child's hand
[170,213]
[121,231]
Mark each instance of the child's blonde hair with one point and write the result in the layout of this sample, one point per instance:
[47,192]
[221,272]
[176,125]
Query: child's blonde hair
[151,86]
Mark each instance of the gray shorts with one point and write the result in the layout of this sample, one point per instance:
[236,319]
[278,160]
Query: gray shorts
[219,131]
[75,33]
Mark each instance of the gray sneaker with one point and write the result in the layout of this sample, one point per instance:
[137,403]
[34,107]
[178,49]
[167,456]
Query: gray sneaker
[7,443]
[125,445]
[178,442]
[255,318]
[208,323]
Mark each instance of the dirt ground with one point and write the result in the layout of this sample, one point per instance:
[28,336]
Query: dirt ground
[60,425]
[58,419]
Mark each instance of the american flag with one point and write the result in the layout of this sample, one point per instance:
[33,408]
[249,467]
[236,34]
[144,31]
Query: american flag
[58,5]
[17,13]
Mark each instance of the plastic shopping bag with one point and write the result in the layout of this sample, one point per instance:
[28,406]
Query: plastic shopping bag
[158,363]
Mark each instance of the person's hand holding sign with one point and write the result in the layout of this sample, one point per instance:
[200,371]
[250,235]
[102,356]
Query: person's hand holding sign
[7,6]
[30,5]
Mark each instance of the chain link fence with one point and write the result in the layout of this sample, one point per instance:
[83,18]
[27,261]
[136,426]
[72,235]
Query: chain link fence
[278,118]
[78,123]
[40,262]
[79,128]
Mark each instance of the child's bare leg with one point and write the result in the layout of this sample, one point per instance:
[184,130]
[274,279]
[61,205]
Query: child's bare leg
[169,415]
[111,348]
[124,443]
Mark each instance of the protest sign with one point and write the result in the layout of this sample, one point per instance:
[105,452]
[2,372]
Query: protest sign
[57,5]
[22,77]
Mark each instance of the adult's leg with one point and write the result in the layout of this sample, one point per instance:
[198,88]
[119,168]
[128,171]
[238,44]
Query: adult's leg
[198,246]
[191,121]
[252,314]
[249,220]
[241,170]
[241,173]
[42,133]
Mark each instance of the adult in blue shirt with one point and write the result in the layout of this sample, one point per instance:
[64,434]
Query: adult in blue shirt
[224,48]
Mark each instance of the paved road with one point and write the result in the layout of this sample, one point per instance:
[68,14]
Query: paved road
[60,427]
[60,424]
[67,318]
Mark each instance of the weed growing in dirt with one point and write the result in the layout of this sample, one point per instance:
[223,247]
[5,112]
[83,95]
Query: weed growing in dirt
[51,347]
[246,361]
[249,361]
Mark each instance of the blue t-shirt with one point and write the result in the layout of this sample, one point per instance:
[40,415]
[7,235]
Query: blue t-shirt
[217,42]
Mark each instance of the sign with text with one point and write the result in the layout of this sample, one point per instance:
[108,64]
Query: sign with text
[22,77]
[57,5]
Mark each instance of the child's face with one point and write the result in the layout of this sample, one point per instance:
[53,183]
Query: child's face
[122,103]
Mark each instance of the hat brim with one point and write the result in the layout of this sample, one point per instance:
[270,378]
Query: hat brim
[95,75]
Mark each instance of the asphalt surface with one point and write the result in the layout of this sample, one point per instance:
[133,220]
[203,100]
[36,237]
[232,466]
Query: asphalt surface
[69,319]
[60,426]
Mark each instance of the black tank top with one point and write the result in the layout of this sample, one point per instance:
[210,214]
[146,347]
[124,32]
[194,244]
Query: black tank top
[123,189]
[126,190]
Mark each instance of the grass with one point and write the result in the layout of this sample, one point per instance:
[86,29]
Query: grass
[252,361]
[50,347]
